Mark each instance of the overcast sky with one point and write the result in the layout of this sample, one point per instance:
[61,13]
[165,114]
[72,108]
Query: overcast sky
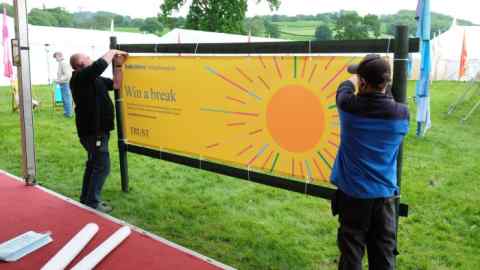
[462,9]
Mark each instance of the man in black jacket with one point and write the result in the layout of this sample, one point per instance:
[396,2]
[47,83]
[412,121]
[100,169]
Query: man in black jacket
[94,118]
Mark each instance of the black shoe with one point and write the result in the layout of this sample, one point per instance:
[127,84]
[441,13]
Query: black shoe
[104,207]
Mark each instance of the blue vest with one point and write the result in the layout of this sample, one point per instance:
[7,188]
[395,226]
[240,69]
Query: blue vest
[372,129]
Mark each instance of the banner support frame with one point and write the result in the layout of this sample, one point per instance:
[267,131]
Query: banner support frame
[401,46]
[122,147]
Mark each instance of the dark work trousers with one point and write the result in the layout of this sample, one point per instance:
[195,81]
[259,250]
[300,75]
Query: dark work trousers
[97,168]
[365,223]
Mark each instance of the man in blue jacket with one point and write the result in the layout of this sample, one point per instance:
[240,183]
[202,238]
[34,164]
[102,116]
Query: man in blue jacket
[373,126]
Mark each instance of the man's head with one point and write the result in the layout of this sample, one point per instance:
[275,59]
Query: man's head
[58,56]
[374,73]
[79,61]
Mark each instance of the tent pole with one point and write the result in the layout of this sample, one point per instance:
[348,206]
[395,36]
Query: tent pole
[122,147]
[22,61]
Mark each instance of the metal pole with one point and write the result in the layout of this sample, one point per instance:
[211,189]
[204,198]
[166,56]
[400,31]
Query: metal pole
[25,92]
[470,112]
[122,148]
[399,91]
[47,50]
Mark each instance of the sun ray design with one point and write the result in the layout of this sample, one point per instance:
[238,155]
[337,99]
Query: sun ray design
[339,72]
[335,134]
[309,170]
[236,99]
[255,131]
[329,82]
[324,159]
[275,160]
[238,86]
[213,145]
[264,82]
[329,62]
[330,155]
[228,112]
[332,143]
[233,140]
[305,59]
[267,160]
[243,151]
[259,154]
[302,175]
[313,72]
[295,60]
[322,175]
[333,94]
[236,124]
[293,167]
[244,75]
[261,61]
[277,67]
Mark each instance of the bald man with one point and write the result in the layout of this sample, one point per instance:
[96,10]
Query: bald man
[94,118]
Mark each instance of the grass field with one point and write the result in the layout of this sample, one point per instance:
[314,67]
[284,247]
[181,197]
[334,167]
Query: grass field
[298,30]
[250,226]
[128,29]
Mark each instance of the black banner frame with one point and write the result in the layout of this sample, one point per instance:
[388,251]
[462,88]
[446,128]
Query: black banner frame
[401,45]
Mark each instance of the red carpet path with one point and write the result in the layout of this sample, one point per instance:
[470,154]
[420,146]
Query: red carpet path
[30,208]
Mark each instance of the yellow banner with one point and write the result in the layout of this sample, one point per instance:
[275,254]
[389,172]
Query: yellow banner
[274,114]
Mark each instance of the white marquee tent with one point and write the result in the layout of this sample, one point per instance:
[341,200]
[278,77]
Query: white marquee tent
[44,41]
[178,35]
[446,51]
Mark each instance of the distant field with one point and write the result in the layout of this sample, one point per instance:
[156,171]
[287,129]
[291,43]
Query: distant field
[298,30]
[128,29]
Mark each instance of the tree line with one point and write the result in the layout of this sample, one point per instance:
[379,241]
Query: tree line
[228,16]
[100,20]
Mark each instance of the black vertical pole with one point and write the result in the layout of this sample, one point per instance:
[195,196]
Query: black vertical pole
[122,149]
[399,87]
[399,90]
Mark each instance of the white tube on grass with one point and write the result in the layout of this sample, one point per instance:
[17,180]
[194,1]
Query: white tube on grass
[97,255]
[72,248]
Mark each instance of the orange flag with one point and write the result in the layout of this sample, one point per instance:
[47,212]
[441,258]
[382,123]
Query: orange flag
[463,58]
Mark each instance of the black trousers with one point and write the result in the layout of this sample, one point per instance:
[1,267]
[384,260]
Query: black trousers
[97,168]
[366,223]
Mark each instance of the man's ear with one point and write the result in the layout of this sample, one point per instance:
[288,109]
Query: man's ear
[361,83]
[382,86]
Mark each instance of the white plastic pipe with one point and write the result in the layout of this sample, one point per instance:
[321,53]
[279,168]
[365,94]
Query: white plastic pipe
[72,248]
[97,255]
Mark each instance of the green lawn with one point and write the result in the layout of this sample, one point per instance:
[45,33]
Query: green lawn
[250,226]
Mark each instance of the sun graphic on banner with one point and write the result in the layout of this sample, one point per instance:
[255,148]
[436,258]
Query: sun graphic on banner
[285,116]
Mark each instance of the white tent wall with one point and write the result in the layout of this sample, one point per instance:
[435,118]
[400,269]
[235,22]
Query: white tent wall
[178,35]
[446,52]
[44,41]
